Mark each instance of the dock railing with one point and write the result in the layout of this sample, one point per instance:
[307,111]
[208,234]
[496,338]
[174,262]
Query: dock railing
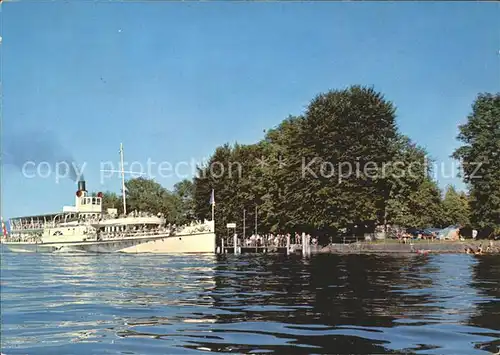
[262,243]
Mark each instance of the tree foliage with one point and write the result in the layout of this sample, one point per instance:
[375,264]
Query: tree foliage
[419,208]
[480,157]
[456,207]
[183,197]
[111,200]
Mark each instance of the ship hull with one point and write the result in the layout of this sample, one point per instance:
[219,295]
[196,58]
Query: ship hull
[191,243]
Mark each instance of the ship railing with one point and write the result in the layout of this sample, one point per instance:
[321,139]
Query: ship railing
[33,226]
[193,227]
[131,234]
[37,238]
[133,214]
[28,225]
[32,238]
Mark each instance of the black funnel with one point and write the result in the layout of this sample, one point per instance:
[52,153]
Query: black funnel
[81,185]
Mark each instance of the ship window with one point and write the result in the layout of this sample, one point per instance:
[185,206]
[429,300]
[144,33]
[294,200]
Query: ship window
[98,201]
[93,200]
[83,201]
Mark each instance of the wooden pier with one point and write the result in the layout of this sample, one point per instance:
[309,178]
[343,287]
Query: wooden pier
[236,245]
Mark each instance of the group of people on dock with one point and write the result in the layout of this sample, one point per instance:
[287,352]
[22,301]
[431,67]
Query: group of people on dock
[274,240]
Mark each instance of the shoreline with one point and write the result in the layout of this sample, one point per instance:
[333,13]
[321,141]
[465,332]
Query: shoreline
[421,247]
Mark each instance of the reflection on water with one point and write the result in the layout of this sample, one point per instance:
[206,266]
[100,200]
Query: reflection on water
[157,304]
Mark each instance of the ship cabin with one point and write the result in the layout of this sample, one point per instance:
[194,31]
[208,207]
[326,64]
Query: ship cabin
[135,223]
[33,223]
[87,208]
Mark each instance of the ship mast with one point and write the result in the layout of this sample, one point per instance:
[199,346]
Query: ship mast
[123,180]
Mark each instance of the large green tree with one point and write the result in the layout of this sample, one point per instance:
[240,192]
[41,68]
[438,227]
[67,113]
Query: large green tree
[480,157]
[344,135]
[183,200]
[455,207]
[111,200]
[231,173]
[146,195]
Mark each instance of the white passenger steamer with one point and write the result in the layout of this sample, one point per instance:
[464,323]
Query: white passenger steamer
[85,227]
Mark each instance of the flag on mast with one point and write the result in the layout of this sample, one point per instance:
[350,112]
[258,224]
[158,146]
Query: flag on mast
[4,228]
[212,198]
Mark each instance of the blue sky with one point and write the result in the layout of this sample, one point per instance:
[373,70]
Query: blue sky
[173,80]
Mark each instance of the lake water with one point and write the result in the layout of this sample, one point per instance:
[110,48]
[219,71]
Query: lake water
[329,304]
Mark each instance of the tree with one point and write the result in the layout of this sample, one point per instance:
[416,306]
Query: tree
[480,157]
[277,179]
[146,195]
[184,201]
[294,175]
[343,134]
[413,199]
[420,208]
[455,207]
[111,200]
[216,175]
